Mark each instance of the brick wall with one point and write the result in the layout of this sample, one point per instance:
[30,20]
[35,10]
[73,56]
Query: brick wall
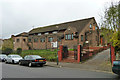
[70,43]
[21,44]
[91,36]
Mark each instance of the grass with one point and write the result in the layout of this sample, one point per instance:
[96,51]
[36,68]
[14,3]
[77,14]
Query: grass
[50,55]
[71,49]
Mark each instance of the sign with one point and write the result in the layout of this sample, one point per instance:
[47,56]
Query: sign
[54,44]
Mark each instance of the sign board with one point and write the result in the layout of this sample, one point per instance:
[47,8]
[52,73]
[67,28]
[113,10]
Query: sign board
[87,42]
[54,44]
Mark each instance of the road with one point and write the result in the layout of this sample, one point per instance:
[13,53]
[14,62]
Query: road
[16,71]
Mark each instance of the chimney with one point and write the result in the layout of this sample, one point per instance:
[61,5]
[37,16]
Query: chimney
[12,36]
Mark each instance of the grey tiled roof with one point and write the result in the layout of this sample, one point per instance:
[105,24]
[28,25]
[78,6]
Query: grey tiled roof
[78,24]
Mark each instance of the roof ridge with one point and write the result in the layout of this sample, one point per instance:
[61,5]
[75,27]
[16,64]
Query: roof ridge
[63,23]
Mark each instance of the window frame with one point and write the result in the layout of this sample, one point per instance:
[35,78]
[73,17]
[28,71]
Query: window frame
[90,26]
[96,27]
[82,38]
[35,39]
[66,37]
[69,36]
[42,39]
[29,40]
[49,39]
[46,33]
[17,40]
[24,39]
[72,36]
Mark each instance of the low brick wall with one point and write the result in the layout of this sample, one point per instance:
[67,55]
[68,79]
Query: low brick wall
[93,51]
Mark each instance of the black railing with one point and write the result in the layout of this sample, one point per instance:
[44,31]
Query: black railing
[65,52]
[75,52]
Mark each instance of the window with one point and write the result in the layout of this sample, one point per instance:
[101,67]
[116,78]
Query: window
[42,39]
[50,39]
[18,40]
[47,33]
[66,36]
[54,32]
[24,40]
[90,26]
[69,36]
[59,39]
[36,40]
[72,35]
[29,40]
[26,57]
[85,37]
[39,33]
[81,37]
[96,27]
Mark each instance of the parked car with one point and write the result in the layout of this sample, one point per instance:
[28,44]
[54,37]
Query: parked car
[33,60]
[116,67]
[3,57]
[13,58]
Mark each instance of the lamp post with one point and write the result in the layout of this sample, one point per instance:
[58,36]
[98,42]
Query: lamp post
[57,51]
[57,46]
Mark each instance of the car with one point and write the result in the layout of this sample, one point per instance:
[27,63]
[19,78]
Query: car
[33,60]
[116,67]
[13,58]
[3,57]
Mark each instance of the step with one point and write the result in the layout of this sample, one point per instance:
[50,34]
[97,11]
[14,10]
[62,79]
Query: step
[70,57]
[69,60]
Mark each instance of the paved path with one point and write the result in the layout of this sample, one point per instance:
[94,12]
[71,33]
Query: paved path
[99,58]
[99,62]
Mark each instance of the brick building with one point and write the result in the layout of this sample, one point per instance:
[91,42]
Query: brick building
[68,33]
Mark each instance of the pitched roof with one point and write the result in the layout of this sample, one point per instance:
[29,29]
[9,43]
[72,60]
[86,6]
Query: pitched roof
[24,34]
[78,24]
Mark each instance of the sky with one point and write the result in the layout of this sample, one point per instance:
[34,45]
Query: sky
[17,16]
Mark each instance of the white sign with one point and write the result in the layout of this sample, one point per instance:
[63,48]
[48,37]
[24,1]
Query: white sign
[54,44]
[87,42]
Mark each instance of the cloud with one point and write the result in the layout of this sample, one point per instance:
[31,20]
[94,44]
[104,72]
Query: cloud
[20,15]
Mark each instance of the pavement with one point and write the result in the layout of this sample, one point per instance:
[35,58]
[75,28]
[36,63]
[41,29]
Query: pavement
[99,63]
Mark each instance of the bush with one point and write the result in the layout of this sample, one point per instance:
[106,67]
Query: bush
[48,54]
[19,50]
[7,51]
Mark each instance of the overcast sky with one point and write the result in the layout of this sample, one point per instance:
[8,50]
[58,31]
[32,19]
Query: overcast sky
[21,15]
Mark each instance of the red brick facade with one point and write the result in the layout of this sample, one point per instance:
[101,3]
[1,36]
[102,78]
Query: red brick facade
[73,34]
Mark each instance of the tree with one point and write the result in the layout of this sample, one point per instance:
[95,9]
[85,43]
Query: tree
[111,24]
[7,43]
[7,51]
